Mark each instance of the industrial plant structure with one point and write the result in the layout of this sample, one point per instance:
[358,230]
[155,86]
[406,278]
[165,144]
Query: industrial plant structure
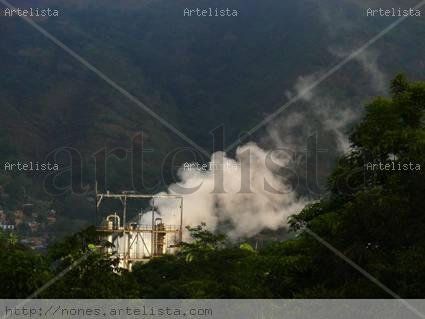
[135,240]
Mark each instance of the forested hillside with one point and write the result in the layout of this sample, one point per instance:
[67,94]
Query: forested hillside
[196,73]
[373,217]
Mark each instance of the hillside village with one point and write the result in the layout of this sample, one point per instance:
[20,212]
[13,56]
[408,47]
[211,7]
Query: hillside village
[34,229]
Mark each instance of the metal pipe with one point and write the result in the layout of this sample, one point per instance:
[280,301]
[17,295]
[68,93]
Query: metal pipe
[157,232]
[124,231]
[181,219]
[153,229]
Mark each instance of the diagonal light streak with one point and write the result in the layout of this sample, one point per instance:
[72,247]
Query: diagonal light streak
[363,272]
[323,78]
[108,80]
[52,281]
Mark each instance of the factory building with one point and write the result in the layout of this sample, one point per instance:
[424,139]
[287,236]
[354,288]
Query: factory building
[141,237]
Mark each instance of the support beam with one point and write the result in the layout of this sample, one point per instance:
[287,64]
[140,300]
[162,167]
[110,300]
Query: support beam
[125,230]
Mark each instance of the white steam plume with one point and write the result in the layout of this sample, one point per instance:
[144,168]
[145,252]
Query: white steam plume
[246,192]
[368,60]
[249,194]
[333,115]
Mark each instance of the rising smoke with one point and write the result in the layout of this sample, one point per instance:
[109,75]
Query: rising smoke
[248,192]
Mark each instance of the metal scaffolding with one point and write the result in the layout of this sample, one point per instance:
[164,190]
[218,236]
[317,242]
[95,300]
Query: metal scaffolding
[129,239]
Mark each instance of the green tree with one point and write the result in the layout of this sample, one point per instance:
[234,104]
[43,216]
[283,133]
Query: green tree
[207,267]
[88,271]
[22,271]
[374,217]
